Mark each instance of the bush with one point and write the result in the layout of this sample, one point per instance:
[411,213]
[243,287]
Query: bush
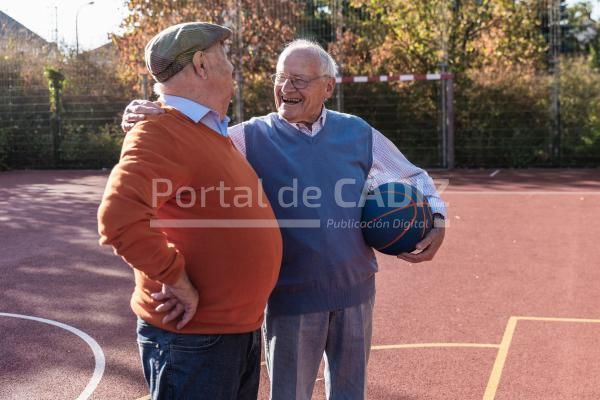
[4,149]
[502,119]
[27,143]
[580,113]
[85,146]
[406,113]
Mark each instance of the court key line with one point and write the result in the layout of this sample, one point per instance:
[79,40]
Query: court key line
[96,349]
[511,326]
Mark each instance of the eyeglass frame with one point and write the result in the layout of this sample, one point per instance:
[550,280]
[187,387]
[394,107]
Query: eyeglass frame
[292,79]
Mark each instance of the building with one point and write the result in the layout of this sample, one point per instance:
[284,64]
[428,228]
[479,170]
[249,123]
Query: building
[18,41]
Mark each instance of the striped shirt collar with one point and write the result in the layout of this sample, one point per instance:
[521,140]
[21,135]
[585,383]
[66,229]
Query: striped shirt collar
[316,126]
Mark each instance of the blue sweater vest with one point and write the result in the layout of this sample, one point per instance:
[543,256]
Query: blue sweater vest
[328,267]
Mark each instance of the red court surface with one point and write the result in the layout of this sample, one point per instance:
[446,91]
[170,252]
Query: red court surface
[508,310]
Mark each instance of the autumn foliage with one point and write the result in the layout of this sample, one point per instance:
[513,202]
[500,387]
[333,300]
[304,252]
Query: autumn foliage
[497,49]
[260,30]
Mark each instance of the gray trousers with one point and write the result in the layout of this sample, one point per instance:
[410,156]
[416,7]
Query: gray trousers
[295,345]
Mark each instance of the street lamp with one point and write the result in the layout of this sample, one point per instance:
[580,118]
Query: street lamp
[89,3]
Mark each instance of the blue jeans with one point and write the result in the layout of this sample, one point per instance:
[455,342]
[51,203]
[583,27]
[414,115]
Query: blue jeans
[295,345]
[194,367]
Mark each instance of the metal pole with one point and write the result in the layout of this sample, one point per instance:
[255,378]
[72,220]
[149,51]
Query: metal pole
[145,87]
[239,77]
[339,21]
[56,25]
[444,116]
[446,10]
[89,3]
[57,125]
[450,122]
[555,44]
[77,33]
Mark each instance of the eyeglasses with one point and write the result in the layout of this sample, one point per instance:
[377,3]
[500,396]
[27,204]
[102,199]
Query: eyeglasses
[298,83]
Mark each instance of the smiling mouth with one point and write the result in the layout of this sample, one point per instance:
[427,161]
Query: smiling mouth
[291,101]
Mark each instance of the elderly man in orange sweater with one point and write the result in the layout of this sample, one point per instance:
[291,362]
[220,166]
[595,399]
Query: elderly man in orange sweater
[172,211]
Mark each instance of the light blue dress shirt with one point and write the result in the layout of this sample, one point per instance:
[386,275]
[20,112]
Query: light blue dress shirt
[197,112]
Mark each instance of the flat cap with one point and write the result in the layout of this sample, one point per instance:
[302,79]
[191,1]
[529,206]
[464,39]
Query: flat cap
[172,49]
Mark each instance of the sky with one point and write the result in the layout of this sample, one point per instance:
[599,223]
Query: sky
[44,17]
[595,5]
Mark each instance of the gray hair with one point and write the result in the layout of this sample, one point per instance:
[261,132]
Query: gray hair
[160,88]
[328,64]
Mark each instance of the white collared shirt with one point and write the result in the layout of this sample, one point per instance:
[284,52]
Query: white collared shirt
[197,112]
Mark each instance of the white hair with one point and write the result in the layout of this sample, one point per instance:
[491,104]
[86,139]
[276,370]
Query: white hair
[328,64]
[159,88]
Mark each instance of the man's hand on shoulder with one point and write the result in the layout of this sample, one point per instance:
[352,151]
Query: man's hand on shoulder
[136,111]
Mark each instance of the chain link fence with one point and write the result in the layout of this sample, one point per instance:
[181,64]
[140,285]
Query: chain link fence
[500,119]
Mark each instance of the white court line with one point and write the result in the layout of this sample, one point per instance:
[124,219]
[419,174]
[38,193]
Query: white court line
[521,192]
[96,349]
[435,345]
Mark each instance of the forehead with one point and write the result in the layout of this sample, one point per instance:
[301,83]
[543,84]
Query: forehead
[300,62]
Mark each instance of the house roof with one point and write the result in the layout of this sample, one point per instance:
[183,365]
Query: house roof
[10,28]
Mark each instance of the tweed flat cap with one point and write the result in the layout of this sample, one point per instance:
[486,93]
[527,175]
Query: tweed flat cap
[172,49]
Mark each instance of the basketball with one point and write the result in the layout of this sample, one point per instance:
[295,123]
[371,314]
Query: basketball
[395,217]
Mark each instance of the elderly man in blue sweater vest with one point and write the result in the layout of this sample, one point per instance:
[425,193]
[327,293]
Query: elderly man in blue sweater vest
[322,306]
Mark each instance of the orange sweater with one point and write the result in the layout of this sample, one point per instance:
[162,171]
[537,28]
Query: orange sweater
[233,269]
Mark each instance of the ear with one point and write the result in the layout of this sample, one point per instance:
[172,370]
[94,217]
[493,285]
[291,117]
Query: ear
[199,61]
[329,88]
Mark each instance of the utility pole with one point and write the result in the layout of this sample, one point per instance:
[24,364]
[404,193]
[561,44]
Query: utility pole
[56,25]
[89,3]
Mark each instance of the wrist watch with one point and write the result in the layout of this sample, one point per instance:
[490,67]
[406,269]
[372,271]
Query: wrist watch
[439,221]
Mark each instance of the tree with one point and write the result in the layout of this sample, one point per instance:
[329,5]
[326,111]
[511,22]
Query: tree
[405,35]
[260,29]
